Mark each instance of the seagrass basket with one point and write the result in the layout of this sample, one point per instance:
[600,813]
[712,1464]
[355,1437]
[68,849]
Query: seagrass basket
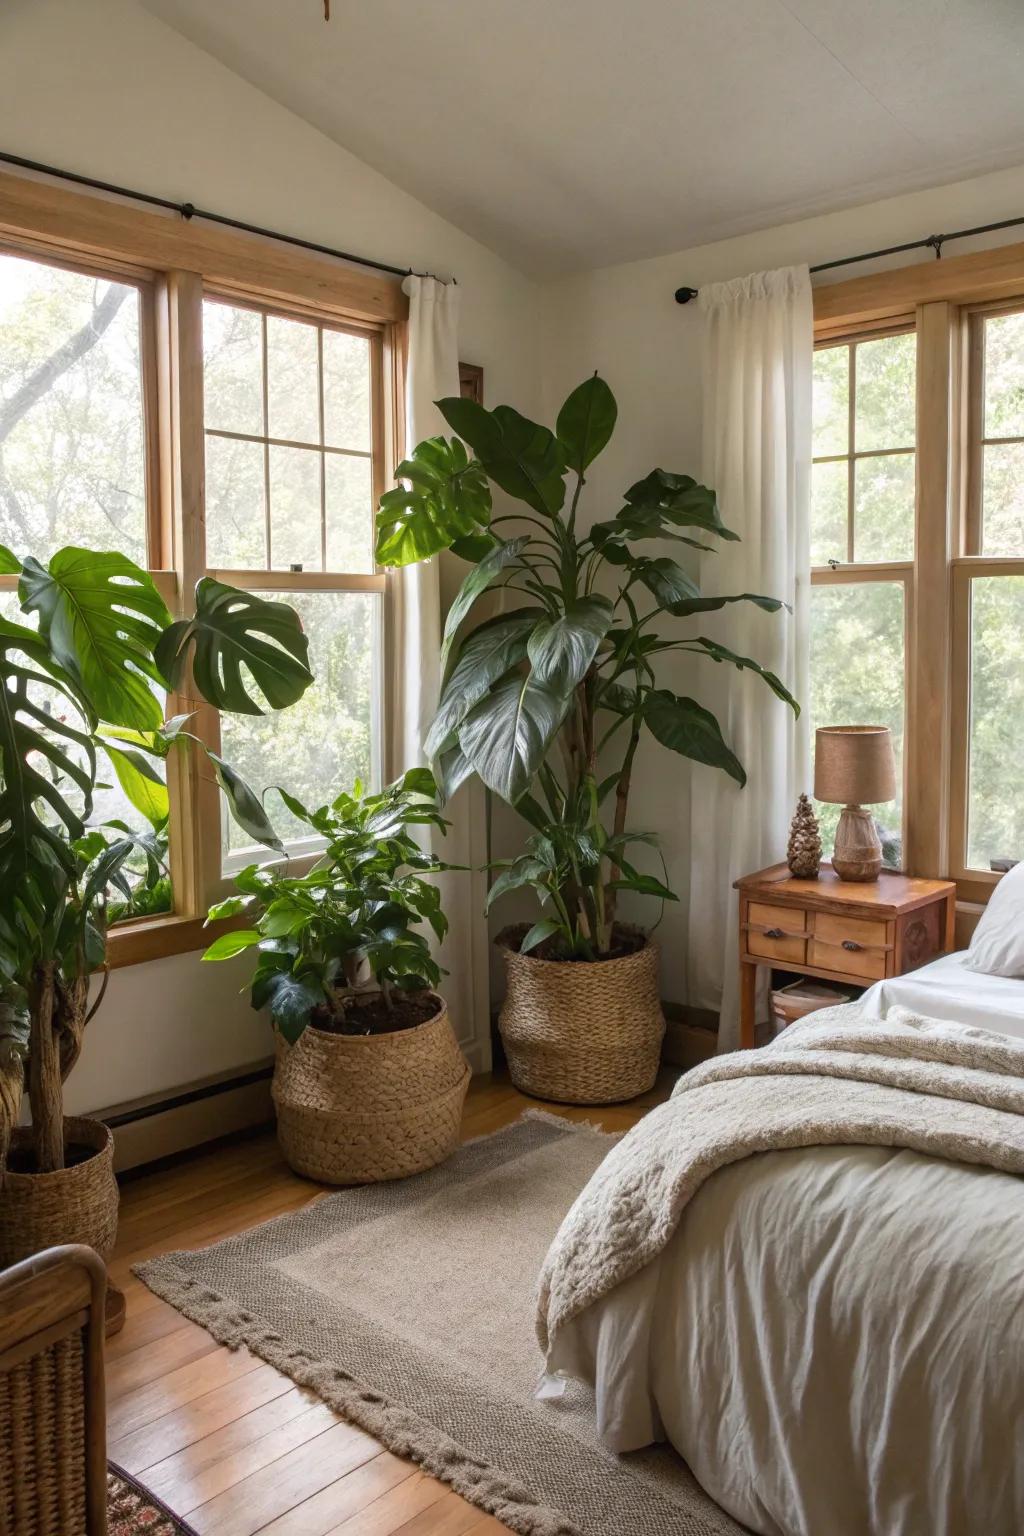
[578,1031]
[357,1109]
[77,1204]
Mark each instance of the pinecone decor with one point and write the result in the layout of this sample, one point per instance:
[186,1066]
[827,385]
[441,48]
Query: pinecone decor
[803,852]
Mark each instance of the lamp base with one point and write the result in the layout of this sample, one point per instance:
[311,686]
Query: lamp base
[858,853]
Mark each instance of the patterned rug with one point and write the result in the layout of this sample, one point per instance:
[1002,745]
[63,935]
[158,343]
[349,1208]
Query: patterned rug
[132,1511]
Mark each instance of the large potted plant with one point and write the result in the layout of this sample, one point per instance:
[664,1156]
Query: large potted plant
[79,701]
[369,1081]
[548,702]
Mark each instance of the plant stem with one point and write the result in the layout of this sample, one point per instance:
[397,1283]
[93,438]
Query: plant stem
[44,1079]
[621,807]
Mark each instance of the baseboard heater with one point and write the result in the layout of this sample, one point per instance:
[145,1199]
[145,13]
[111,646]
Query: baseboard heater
[152,1128]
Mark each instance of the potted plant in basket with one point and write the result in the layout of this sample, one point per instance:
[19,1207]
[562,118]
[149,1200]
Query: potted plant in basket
[555,696]
[369,1081]
[77,692]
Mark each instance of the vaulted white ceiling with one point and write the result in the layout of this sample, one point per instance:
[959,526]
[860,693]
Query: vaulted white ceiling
[576,133]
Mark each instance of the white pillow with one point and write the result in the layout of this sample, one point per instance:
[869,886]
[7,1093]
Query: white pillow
[997,948]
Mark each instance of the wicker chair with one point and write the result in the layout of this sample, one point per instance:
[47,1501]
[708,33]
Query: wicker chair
[53,1475]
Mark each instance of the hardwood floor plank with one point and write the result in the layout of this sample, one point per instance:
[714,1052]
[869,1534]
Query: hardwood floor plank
[141,1407]
[260,1498]
[392,1510]
[157,1358]
[173,1431]
[202,1471]
[450,1516]
[346,1497]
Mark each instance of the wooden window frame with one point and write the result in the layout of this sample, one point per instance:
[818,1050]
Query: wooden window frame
[948,301]
[176,264]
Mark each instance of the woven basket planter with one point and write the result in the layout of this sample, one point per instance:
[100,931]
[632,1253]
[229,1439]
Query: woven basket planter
[73,1205]
[356,1109]
[578,1031]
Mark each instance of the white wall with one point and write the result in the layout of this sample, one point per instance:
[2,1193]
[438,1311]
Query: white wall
[101,87]
[624,322]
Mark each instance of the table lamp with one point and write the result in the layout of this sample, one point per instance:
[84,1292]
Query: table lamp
[853,767]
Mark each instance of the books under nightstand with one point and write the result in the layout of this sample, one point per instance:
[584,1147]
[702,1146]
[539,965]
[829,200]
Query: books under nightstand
[847,933]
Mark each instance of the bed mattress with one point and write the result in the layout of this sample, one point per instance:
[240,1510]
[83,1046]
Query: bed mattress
[945,989]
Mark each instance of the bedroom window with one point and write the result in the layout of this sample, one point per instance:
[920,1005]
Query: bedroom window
[988,593]
[77,460]
[862,546]
[293,470]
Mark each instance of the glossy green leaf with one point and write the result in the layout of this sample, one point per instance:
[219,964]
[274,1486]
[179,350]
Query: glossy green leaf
[561,650]
[719,652]
[586,422]
[239,639]
[644,885]
[140,781]
[291,999]
[524,871]
[244,804]
[545,929]
[687,728]
[525,459]
[227,945]
[476,582]
[690,605]
[10,565]
[666,581]
[231,906]
[681,501]
[506,735]
[102,618]
[442,497]
[483,659]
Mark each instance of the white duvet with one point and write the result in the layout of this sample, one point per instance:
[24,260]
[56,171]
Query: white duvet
[833,1338]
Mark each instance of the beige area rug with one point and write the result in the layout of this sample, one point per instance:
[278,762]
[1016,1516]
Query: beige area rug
[409,1308]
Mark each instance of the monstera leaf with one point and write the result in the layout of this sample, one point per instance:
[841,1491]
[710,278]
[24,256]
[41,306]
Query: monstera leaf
[233,630]
[101,617]
[43,756]
[442,497]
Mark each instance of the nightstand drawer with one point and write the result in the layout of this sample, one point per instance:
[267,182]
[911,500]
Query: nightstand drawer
[853,945]
[777,933]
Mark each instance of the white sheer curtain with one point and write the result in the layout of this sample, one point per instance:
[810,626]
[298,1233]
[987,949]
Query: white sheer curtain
[431,373]
[758,354]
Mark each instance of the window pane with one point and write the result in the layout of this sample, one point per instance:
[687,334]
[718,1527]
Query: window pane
[329,738]
[883,508]
[857,678]
[295,509]
[831,396]
[346,391]
[235,518]
[829,490]
[72,450]
[886,393]
[349,513]
[1003,499]
[292,374]
[1004,376]
[995,815]
[233,368]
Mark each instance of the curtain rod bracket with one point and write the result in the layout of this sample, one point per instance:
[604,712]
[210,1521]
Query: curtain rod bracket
[187,210]
[935,243]
[684,295]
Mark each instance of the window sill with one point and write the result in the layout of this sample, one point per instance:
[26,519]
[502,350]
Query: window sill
[154,938]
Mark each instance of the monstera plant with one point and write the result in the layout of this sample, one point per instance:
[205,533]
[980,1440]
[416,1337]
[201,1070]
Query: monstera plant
[80,703]
[556,693]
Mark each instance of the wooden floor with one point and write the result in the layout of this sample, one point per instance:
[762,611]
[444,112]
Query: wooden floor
[227,1441]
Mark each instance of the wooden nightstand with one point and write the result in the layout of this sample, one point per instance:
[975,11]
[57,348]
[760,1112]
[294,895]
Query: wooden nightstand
[839,930]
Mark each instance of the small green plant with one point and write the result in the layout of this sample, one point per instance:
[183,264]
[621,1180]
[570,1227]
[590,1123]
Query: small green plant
[348,930]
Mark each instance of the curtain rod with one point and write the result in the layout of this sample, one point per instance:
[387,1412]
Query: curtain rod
[190,211]
[930,243]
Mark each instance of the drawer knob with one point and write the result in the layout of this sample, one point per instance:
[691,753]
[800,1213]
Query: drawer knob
[773,933]
[851,944]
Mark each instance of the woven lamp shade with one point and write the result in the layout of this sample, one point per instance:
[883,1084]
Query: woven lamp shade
[854,765]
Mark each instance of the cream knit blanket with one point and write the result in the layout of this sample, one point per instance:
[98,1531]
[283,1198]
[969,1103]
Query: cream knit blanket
[945,1089]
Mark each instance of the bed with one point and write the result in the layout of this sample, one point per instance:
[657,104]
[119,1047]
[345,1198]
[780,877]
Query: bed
[832,1335]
